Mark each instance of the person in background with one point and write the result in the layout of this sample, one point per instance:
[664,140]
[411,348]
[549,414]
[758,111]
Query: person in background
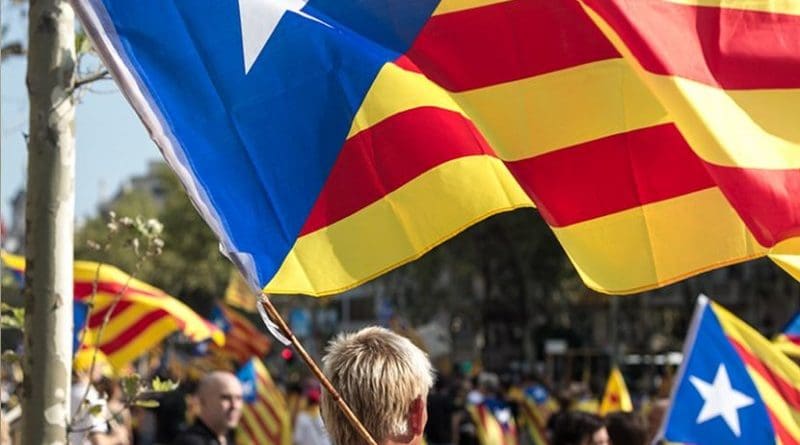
[580,428]
[90,414]
[626,428]
[219,396]
[385,380]
[308,426]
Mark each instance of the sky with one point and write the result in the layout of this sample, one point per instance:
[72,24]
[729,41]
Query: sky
[111,143]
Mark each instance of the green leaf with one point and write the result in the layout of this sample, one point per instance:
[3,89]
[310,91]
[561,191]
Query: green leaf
[159,385]
[131,385]
[10,356]
[96,410]
[146,403]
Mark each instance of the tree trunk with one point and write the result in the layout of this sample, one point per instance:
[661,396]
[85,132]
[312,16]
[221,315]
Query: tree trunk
[49,217]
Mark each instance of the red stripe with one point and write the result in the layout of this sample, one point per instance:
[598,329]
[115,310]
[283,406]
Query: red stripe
[262,424]
[729,48]
[387,155]
[768,201]
[97,316]
[132,332]
[263,392]
[612,174]
[273,438]
[83,289]
[780,430]
[507,41]
[787,391]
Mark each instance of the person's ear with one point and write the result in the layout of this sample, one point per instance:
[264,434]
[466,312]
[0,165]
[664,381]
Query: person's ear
[416,416]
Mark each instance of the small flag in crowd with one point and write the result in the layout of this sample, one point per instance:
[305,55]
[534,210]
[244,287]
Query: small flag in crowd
[616,396]
[494,423]
[265,416]
[341,139]
[534,412]
[788,340]
[243,340]
[734,386]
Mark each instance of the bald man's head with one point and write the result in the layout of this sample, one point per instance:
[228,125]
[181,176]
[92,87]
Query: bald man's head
[220,397]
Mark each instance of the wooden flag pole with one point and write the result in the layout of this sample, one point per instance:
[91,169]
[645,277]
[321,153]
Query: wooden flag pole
[276,317]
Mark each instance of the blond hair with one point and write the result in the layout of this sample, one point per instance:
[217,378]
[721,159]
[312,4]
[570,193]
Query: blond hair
[379,374]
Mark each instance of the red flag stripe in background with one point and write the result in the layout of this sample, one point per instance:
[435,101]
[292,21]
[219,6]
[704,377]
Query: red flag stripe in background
[243,340]
[266,420]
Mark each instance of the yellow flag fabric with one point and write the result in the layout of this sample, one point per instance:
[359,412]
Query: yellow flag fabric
[616,396]
[238,294]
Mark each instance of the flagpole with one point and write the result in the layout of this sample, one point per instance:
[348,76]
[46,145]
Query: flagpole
[276,317]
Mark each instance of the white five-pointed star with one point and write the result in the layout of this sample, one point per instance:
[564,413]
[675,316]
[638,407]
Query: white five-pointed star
[720,399]
[259,19]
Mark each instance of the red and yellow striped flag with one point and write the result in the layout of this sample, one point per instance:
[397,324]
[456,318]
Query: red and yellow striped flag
[616,396]
[265,416]
[243,340]
[142,318]
[239,294]
[649,169]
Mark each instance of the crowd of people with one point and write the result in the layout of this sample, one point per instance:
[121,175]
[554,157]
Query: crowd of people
[387,381]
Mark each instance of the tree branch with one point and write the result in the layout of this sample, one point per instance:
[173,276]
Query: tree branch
[94,77]
[12,49]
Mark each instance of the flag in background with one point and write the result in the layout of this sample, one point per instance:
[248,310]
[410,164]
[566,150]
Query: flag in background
[239,294]
[534,412]
[494,423]
[142,318]
[360,134]
[616,396]
[13,269]
[733,387]
[788,340]
[243,340]
[265,416]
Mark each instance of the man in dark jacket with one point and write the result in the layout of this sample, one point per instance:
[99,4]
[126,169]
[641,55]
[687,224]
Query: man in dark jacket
[219,395]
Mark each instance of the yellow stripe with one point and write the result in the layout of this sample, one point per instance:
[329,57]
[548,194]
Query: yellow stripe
[405,224]
[86,271]
[526,117]
[540,114]
[395,90]
[786,254]
[250,419]
[776,6]
[788,417]
[448,6]
[148,338]
[776,361]
[272,424]
[122,321]
[742,128]
[12,261]
[659,243]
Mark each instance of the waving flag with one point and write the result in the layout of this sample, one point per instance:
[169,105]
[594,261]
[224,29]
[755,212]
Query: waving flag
[494,423]
[326,142]
[533,413]
[243,340]
[616,396]
[788,341]
[734,386]
[265,416]
[142,318]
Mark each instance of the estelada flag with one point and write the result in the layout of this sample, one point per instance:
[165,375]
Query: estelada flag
[328,141]
[733,387]
[788,340]
[616,396]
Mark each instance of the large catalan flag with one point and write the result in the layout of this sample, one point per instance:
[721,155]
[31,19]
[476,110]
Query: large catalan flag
[788,340]
[243,340]
[328,141]
[142,317]
[734,386]
[265,416]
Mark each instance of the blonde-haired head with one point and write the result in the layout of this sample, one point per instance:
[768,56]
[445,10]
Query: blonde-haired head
[379,374]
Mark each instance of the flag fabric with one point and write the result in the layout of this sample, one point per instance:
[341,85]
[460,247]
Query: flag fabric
[13,269]
[533,414]
[243,340]
[327,142]
[239,294]
[733,387]
[788,340]
[494,423]
[616,396]
[265,416]
[141,319]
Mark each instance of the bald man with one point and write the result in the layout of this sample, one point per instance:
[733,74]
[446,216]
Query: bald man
[219,396]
